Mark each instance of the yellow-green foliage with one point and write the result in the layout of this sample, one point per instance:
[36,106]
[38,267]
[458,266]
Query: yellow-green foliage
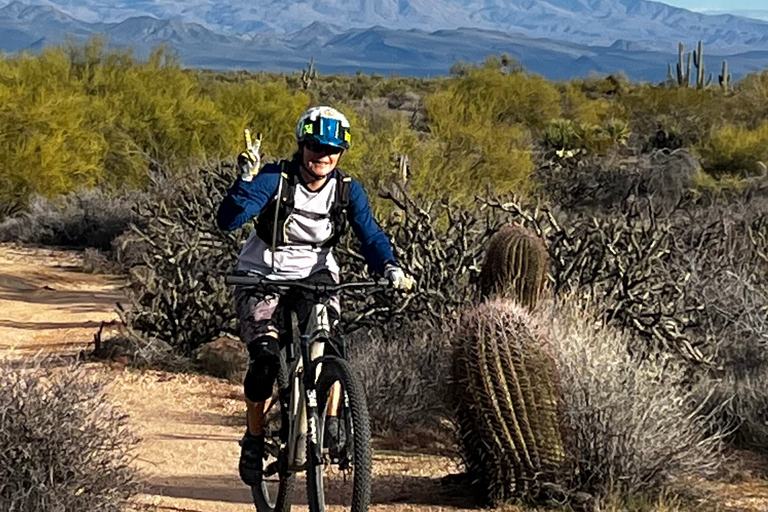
[505,98]
[269,108]
[735,151]
[749,103]
[379,138]
[80,116]
[689,113]
[580,108]
[480,125]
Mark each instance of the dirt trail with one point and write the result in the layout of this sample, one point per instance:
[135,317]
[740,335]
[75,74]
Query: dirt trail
[189,424]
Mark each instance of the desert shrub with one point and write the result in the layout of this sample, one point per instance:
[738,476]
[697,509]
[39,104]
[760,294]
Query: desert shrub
[732,150]
[79,116]
[598,184]
[87,218]
[594,103]
[178,293]
[404,375]
[561,134]
[673,117]
[749,104]
[474,149]
[482,124]
[565,135]
[630,426]
[63,446]
[276,115]
[733,391]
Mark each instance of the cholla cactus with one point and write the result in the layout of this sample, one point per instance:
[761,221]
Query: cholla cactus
[515,266]
[507,402]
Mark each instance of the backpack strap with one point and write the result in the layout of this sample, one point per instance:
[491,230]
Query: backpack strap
[270,223]
[343,184]
[340,207]
[287,187]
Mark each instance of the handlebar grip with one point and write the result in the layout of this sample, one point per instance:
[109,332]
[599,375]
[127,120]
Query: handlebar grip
[243,280]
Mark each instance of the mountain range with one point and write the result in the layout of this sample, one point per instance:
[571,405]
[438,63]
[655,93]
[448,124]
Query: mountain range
[653,25]
[557,38]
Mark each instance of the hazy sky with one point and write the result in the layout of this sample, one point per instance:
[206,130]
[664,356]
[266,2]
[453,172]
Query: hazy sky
[720,5]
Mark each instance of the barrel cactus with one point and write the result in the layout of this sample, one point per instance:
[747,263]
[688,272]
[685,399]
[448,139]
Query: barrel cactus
[515,266]
[506,397]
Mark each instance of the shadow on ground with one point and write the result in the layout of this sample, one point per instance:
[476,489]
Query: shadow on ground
[408,490]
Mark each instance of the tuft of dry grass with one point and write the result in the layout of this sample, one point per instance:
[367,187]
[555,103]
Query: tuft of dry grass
[63,446]
[631,427]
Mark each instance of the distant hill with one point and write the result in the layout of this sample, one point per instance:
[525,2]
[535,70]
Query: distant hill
[653,25]
[376,49]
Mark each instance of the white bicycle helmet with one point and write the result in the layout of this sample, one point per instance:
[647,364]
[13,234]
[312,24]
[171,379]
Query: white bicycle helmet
[323,125]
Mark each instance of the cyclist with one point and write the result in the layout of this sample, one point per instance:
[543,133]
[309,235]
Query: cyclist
[302,206]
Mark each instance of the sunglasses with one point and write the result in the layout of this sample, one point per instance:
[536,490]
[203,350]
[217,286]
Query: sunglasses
[323,149]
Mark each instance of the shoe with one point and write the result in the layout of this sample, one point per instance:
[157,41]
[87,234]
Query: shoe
[251,459]
[335,438]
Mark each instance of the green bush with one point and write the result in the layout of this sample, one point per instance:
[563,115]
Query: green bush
[735,151]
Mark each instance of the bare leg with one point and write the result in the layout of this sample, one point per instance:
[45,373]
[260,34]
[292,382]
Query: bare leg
[255,415]
[334,399]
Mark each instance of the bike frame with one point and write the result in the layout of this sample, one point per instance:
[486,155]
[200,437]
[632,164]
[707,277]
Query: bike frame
[303,411]
[300,413]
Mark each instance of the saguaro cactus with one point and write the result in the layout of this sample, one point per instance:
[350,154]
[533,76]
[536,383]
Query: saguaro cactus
[506,394]
[701,70]
[683,74]
[516,265]
[725,78]
[308,74]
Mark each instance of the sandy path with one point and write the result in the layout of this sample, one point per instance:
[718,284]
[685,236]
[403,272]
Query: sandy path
[189,424]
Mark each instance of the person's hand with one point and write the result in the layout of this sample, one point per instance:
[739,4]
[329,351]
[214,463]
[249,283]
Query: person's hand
[399,279]
[249,161]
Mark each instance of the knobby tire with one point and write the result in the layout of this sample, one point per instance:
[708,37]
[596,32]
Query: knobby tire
[287,479]
[335,369]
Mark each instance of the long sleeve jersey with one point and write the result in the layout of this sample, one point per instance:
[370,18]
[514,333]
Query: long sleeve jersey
[307,228]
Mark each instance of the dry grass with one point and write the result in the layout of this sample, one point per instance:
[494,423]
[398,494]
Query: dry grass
[630,427]
[62,445]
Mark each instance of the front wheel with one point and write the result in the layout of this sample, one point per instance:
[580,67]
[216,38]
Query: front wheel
[348,452]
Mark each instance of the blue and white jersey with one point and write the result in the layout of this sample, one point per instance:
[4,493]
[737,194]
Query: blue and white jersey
[306,229]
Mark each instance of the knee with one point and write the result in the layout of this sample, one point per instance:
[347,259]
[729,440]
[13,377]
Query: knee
[262,368]
[264,346]
[260,379]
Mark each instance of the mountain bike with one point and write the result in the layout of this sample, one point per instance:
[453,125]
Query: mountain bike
[314,379]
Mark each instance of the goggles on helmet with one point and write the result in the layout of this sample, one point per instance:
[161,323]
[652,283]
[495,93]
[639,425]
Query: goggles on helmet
[325,131]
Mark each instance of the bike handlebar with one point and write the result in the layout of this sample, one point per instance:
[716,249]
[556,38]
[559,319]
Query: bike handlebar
[251,280]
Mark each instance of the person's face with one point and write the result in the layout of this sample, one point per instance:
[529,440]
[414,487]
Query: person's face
[321,159]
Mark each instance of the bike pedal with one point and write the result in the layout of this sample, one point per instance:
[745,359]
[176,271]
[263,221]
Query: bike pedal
[271,469]
[272,449]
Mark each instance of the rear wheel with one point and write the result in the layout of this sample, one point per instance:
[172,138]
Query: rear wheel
[275,491]
[344,476]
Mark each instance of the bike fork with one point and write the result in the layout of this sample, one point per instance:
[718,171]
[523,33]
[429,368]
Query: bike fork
[314,452]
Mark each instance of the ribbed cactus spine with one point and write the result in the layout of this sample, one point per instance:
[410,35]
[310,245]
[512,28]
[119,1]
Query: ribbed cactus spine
[516,265]
[506,396]
[725,78]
